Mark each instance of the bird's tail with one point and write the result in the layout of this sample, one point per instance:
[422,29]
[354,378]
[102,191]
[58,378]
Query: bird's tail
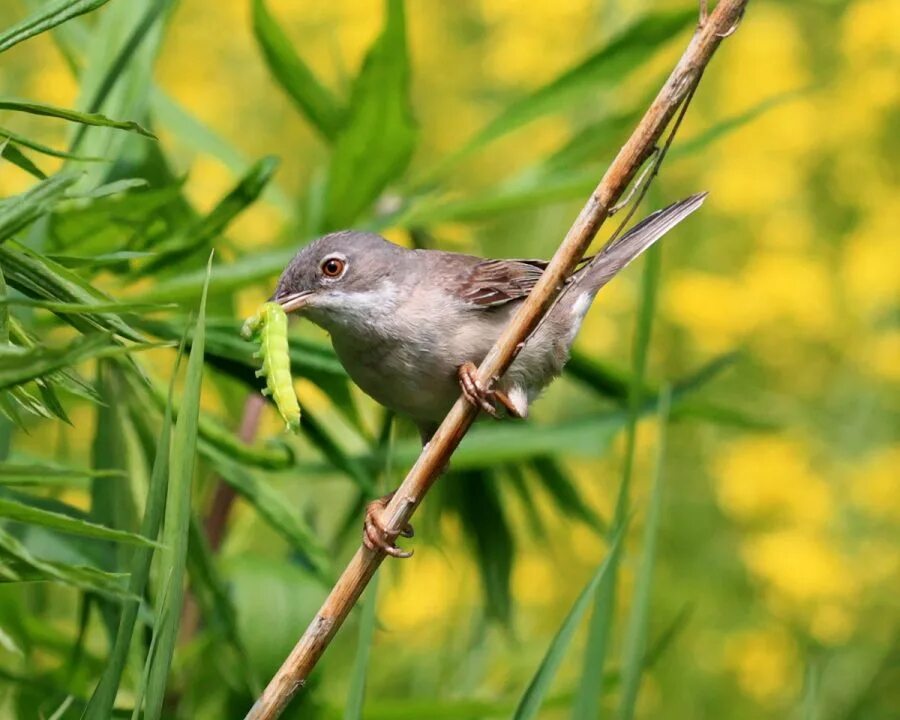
[621,251]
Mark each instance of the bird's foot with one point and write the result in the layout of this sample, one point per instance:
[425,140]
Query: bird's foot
[481,397]
[375,535]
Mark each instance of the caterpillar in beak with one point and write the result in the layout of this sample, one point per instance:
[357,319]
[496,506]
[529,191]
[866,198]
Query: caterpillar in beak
[269,328]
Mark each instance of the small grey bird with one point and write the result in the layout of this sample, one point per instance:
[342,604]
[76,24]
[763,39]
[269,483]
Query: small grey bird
[410,326]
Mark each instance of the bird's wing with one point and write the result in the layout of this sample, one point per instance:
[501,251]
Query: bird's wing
[489,283]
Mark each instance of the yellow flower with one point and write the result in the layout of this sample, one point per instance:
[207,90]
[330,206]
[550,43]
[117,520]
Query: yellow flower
[869,27]
[871,263]
[800,566]
[715,309]
[759,477]
[791,286]
[765,663]
[832,624]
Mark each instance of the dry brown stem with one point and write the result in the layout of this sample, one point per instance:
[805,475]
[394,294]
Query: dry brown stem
[436,454]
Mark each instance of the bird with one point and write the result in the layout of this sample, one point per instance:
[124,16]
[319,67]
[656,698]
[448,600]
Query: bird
[410,326]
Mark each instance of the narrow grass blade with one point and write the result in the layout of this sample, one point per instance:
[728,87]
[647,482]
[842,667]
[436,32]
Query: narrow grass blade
[221,441]
[100,705]
[18,365]
[43,149]
[203,139]
[64,308]
[316,432]
[378,135]
[587,700]
[177,522]
[564,492]
[198,236]
[812,690]
[296,78]
[474,496]
[212,594]
[623,54]
[357,690]
[36,473]
[93,119]
[21,565]
[18,212]
[4,311]
[37,276]
[14,155]
[273,508]
[531,701]
[635,647]
[20,512]
[46,18]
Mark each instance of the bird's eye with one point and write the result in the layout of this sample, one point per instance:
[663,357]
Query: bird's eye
[333,267]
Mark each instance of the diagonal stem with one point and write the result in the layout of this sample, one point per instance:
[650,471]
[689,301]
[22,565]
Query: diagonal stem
[436,454]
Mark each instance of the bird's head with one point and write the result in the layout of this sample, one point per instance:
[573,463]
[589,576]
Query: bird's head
[341,278]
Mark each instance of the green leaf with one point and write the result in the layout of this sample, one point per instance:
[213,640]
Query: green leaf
[4,311]
[92,119]
[587,701]
[321,438]
[18,212]
[376,141]
[100,705]
[20,512]
[356,693]
[36,473]
[564,492]
[44,149]
[531,701]
[177,524]
[118,72]
[215,602]
[65,308]
[200,234]
[474,496]
[296,78]
[22,161]
[204,140]
[271,456]
[37,276]
[225,278]
[812,690]
[26,567]
[274,509]
[635,647]
[604,70]
[45,19]
[18,365]
[521,193]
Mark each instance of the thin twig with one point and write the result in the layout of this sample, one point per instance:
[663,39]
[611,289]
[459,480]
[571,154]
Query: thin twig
[436,454]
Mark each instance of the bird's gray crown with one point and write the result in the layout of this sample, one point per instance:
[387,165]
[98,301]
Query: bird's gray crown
[366,259]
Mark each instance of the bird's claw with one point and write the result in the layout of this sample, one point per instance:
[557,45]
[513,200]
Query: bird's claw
[482,398]
[474,391]
[375,535]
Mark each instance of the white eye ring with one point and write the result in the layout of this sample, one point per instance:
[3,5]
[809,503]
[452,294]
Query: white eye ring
[333,266]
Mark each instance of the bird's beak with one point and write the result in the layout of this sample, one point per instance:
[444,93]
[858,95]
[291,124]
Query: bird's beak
[294,301]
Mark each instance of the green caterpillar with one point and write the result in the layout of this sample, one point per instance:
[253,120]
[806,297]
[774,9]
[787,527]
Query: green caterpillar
[269,326]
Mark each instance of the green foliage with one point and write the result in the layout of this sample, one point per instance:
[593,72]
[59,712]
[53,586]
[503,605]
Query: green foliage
[377,137]
[312,98]
[176,525]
